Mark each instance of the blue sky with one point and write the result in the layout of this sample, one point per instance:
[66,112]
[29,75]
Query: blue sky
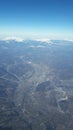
[37,18]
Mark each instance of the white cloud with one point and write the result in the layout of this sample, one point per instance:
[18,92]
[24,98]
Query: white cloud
[21,39]
[71,40]
[18,39]
[44,40]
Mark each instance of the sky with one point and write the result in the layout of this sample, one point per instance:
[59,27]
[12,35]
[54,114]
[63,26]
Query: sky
[51,19]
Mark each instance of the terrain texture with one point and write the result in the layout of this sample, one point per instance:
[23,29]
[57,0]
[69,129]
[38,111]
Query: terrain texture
[36,85]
